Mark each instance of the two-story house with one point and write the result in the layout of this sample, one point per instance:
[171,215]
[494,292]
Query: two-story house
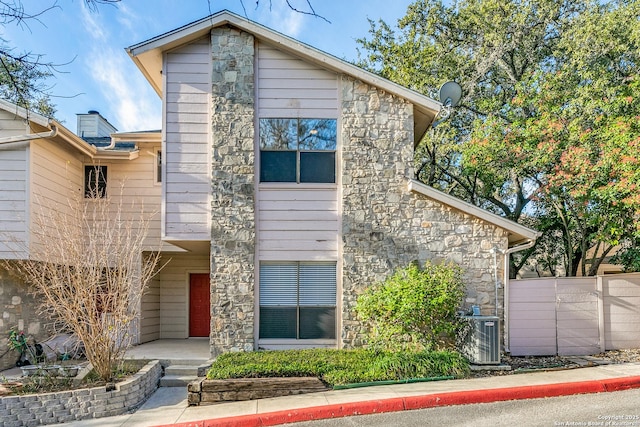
[285,182]
[288,176]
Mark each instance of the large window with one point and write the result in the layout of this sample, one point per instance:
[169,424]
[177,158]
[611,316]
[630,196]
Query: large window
[298,150]
[298,300]
[95,181]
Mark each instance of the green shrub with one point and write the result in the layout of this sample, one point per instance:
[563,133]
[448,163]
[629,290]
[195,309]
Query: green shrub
[339,367]
[414,309]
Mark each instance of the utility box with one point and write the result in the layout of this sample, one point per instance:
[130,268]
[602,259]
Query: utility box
[482,343]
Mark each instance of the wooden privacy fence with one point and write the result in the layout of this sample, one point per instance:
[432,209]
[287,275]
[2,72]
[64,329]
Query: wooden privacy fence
[574,315]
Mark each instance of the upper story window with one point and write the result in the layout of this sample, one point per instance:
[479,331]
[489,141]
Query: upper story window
[95,181]
[298,150]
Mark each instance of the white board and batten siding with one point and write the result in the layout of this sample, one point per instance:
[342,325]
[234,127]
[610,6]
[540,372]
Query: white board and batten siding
[296,221]
[186,150]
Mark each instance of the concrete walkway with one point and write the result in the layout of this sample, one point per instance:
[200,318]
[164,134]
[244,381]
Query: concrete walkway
[168,406]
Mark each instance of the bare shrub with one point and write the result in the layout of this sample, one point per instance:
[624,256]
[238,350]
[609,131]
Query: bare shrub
[88,266]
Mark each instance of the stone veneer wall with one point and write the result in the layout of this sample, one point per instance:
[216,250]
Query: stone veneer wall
[82,404]
[384,226]
[232,210]
[19,310]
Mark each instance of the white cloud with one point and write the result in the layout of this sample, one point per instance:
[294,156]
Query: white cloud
[281,18]
[91,26]
[129,96]
[127,18]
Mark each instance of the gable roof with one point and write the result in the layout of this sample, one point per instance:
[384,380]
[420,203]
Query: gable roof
[517,233]
[148,55]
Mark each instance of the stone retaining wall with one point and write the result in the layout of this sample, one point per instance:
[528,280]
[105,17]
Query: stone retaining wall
[207,392]
[74,405]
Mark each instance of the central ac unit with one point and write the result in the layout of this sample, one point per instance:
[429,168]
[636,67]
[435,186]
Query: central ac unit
[482,343]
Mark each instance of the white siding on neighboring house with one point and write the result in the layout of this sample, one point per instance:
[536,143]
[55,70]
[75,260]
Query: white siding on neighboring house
[57,178]
[14,187]
[150,312]
[298,224]
[186,154]
[93,125]
[290,88]
[13,200]
[136,180]
[11,125]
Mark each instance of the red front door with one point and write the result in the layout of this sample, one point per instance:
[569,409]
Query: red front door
[199,305]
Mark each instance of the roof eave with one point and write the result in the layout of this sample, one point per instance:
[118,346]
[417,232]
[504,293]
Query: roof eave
[517,233]
[25,114]
[147,54]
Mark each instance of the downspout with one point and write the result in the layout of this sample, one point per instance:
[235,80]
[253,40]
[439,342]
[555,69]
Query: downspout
[30,136]
[508,252]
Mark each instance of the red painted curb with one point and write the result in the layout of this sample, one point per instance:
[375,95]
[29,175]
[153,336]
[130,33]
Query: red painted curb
[418,402]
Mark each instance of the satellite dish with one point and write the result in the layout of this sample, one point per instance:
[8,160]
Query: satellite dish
[450,94]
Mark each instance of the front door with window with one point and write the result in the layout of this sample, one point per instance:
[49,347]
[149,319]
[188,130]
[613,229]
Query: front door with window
[199,305]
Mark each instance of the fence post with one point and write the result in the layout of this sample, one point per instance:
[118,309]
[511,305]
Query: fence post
[601,329]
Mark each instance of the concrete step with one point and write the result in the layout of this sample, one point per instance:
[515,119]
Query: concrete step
[179,374]
[176,380]
[184,362]
[181,370]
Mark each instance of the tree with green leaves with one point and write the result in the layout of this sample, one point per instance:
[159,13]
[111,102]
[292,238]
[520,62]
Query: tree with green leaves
[536,76]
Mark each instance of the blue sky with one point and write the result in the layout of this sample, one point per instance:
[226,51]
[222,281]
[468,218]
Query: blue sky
[99,75]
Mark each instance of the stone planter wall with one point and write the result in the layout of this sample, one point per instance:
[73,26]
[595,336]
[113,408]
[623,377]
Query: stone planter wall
[207,392]
[74,405]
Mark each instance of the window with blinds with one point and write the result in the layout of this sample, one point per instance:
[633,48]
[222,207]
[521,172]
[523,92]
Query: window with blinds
[298,300]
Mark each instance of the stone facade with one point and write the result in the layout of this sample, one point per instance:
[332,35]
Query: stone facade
[232,210]
[20,311]
[384,226]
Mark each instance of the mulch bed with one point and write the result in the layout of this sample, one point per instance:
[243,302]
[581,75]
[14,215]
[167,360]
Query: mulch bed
[522,364]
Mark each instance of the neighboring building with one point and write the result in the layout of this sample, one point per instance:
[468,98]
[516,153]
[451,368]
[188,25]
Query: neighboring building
[289,179]
[42,166]
[285,184]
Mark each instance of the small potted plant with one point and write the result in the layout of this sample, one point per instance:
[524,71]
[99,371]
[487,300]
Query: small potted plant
[18,341]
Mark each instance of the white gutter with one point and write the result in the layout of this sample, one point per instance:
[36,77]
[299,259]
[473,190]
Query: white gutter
[30,136]
[508,252]
[111,145]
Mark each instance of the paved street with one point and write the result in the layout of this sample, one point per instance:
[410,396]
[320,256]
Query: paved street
[604,409]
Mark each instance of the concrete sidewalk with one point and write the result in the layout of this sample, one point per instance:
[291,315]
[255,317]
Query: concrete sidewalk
[168,406]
